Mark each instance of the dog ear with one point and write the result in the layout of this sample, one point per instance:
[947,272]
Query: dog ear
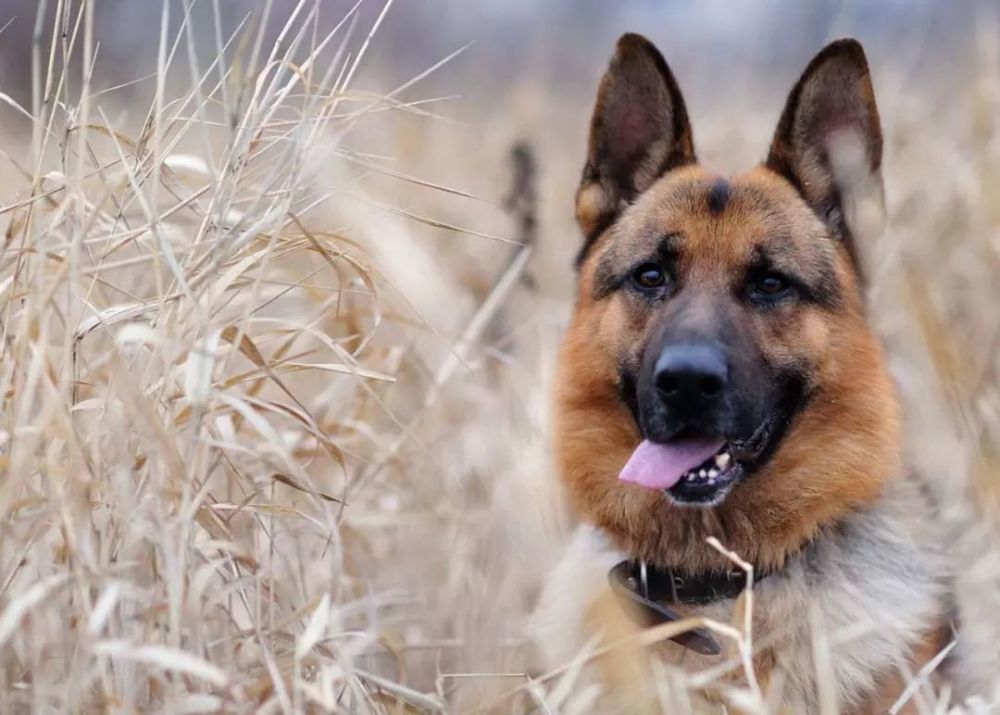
[828,143]
[638,132]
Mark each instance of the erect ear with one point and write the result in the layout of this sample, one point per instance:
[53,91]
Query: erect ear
[828,143]
[638,132]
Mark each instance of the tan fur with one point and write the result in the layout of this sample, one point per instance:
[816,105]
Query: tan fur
[887,696]
[834,488]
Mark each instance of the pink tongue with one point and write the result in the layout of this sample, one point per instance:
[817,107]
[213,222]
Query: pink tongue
[661,466]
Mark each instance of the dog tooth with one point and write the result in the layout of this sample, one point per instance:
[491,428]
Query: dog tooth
[722,460]
[702,474]
[713,473]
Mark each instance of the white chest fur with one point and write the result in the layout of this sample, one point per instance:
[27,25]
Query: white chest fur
[871,587]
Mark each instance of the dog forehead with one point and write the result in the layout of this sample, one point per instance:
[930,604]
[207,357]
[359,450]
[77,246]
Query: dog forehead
[720,216]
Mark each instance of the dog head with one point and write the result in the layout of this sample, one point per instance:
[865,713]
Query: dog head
[719,356]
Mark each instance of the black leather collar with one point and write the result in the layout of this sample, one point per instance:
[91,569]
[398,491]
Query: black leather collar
[643,596]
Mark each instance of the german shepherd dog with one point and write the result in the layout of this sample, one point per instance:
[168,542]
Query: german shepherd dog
[719,378]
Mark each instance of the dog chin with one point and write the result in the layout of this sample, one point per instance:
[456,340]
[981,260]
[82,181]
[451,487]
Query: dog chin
[714,500]
[700,494]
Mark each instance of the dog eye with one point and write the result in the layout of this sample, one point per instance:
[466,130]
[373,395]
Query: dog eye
[649,276]
[770,286]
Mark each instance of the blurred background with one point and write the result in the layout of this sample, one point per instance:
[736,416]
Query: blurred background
[427,577]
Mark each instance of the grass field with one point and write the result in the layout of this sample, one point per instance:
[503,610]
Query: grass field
[277,346]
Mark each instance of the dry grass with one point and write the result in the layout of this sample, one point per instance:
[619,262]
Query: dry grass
[274,427]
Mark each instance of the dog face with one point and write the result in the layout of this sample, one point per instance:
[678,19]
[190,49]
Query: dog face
[722,289]
[719,355]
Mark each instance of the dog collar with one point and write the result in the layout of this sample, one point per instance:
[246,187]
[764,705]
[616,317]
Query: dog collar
[643,590]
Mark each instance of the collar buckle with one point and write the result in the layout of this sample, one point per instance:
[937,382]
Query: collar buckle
[644,590]
[631,590]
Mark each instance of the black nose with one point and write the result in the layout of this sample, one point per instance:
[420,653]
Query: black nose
[691,377]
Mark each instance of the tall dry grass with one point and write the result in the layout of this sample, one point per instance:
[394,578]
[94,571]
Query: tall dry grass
[275,408]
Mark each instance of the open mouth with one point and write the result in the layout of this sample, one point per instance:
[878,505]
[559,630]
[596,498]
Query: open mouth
[708,482]
[695,470]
